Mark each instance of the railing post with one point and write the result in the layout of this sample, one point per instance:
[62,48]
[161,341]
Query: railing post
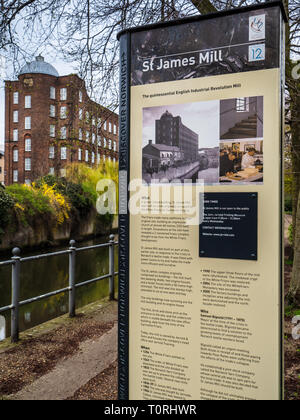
[72,268]
[15,284]
[112,267]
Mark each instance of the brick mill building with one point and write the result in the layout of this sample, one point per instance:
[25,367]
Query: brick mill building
[50,121]
[171,131]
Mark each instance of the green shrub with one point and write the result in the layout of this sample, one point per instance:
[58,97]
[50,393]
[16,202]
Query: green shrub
[291,233]
[29,204]
[79,199]
[6,205]
[288,205]
[74,197]
[47,179]
[89,177]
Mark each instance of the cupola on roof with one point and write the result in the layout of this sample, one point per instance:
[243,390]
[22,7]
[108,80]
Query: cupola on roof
[167,114]
[39,66]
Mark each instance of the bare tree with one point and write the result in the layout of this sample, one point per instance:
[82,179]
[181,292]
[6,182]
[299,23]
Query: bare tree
[82,32]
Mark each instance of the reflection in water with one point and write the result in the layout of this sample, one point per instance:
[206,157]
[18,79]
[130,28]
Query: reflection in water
[46,275]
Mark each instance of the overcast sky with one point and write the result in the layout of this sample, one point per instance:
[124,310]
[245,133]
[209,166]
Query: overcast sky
[61,67]
[201,117]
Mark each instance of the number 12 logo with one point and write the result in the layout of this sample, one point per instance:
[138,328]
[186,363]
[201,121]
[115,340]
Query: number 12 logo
[257,52]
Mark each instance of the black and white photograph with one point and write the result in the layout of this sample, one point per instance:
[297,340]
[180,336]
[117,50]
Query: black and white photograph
[242,118]
[181,142]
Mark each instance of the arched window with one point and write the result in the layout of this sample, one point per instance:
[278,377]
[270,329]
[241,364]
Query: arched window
[28,144]
[15,154]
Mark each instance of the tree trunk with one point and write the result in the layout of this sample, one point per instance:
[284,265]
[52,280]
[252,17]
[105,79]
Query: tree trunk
[163,10]
[295,139]
[204,6]
[294,158]
[294,292]
[293,86]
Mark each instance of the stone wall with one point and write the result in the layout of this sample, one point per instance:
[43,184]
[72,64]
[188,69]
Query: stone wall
[27,237]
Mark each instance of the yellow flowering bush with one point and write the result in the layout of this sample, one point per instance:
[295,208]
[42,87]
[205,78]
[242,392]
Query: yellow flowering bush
[19,207]
[30,204]
[59,203]
[48,203]
[33,203]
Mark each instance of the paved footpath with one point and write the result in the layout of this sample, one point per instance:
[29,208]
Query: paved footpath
[93,357]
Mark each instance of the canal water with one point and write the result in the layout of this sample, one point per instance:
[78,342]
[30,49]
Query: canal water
[50,274]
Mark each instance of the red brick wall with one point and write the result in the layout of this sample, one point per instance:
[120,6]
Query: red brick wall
[38,87]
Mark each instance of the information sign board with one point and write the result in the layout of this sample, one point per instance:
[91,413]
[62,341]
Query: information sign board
[200,264]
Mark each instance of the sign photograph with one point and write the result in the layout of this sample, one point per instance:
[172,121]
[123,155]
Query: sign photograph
[200,245]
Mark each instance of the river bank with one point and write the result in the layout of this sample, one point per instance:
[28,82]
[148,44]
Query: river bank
[54,209]
[45,238]
[60,241]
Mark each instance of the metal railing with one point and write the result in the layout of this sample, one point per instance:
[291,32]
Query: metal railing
[16,262]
